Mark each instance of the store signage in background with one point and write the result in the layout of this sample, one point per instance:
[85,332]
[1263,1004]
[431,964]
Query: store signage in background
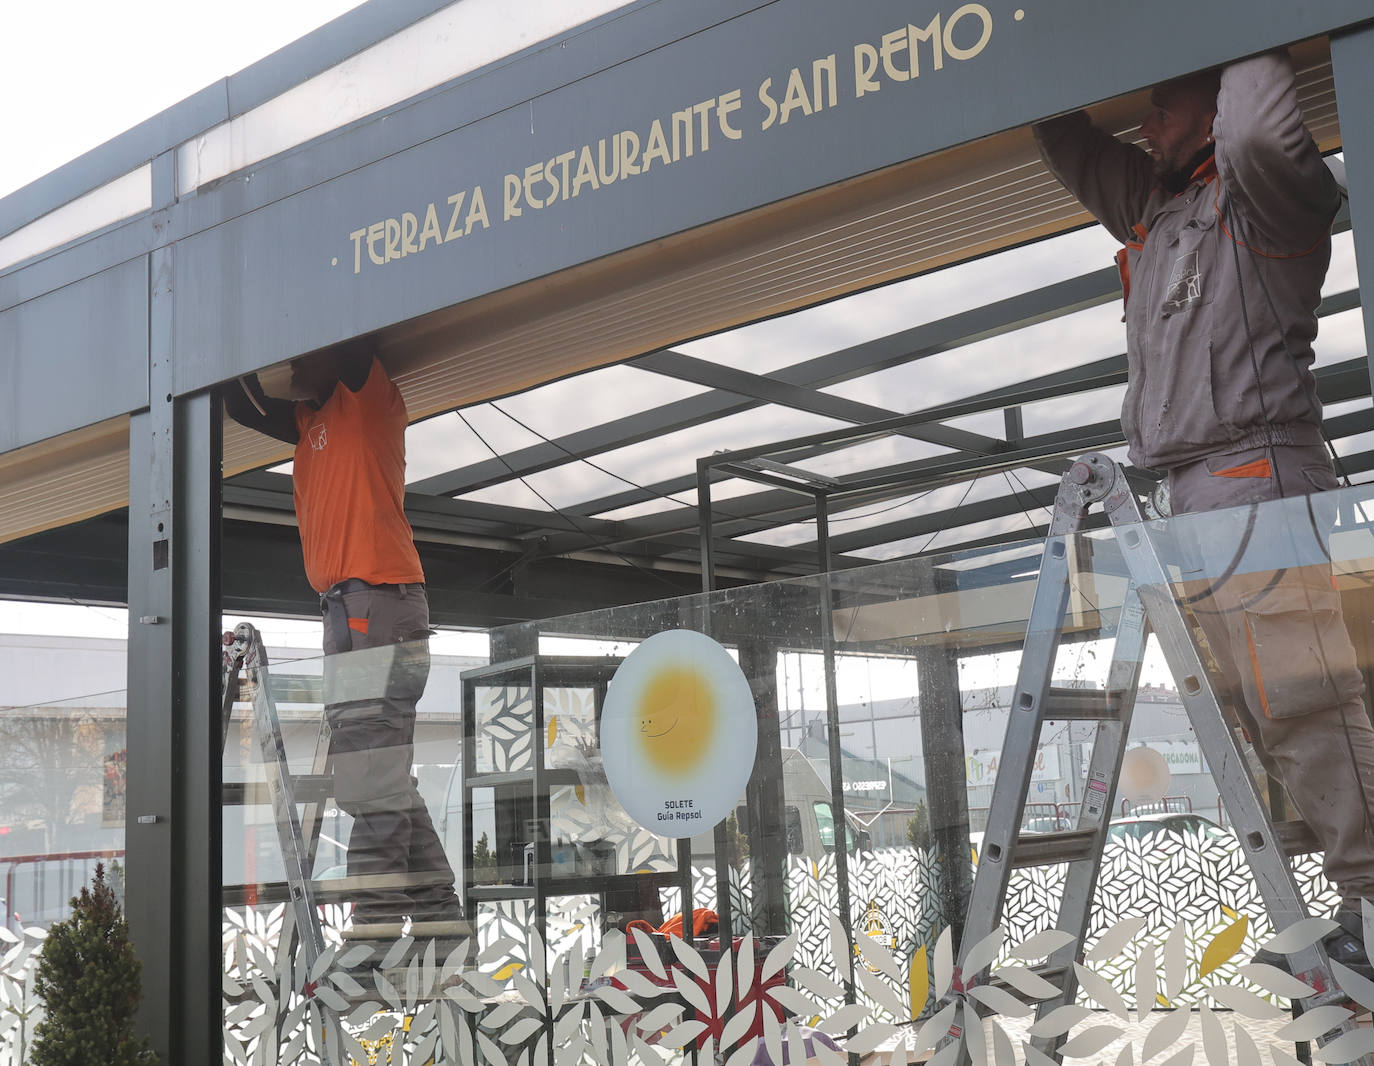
[678,733]
[980,767]
[1182,756]
[865,786]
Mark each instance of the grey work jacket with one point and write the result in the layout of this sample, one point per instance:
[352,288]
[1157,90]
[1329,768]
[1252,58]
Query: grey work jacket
[1193,387]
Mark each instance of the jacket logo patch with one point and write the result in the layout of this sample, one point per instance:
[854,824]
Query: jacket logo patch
[1185,285]
[319,436]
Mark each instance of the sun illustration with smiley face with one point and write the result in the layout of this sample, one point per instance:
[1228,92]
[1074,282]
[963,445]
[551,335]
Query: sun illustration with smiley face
[678,733]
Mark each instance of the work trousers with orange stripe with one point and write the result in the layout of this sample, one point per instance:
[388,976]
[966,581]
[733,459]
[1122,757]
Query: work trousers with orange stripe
[1261,588]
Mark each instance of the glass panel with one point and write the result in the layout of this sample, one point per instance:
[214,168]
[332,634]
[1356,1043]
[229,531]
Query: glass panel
[63,758]
[883,703]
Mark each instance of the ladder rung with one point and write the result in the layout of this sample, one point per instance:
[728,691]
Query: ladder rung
[1053,974]
[308,788]
[1082,704]
[1296,838]
[1045,849]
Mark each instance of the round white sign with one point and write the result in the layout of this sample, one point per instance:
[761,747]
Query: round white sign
[678,733]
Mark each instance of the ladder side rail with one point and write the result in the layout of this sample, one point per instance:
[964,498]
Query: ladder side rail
[1044,631]
[267,727]
[1099,798]
[1222,749]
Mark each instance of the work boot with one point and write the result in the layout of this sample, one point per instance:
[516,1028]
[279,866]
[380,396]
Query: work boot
[1344,944]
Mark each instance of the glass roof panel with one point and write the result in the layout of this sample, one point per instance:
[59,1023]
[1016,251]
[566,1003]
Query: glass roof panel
[669,456]
[731,488]
[1045,348]
[1010,485]
[1079,409]
[791,339]
[457,439]
[871,455]
[591,399]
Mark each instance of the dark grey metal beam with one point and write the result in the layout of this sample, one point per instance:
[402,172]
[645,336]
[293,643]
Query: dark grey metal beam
[932,338]
[681,367]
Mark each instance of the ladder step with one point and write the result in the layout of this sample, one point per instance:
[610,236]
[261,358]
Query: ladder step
[1082,705]
[1046,849]
[308,788]
[1296,838]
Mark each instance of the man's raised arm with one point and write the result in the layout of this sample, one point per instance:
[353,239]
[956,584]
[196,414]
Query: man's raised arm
[248,405]
[1109,178]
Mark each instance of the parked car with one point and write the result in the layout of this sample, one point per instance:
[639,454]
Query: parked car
[1141,826]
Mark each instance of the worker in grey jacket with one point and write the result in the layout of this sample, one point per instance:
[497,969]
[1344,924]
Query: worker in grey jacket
[1226,227]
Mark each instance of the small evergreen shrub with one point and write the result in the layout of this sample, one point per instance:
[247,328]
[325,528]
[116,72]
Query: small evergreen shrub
[90,983]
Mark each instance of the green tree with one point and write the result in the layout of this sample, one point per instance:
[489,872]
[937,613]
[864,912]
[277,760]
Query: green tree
[918,826]
[90,983]
[483,861]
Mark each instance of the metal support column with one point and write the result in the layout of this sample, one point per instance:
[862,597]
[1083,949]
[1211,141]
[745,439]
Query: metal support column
[764,797]
[1352,63]
[942,747]
[173,832]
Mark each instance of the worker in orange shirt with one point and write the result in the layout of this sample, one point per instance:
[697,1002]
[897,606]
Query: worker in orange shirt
[347,421]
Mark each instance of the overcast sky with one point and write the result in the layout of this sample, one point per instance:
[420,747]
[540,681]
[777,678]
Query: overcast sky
[74,73]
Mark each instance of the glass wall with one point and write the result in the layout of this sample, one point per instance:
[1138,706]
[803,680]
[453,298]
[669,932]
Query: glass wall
[804,775]
[63,746]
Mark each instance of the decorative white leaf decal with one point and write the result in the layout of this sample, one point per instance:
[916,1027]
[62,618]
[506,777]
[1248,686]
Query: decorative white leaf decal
[1145,982]
[944,965]
[724,985]
[864,1041]
[1035,1057]
[772,1039]
[464,999]
[736,1027]
[840,950]
[843,1019]
[827,1055]
[1274,980]
[935,1029]
[1213,1039]
[500,1014]
[617,1000]
[1100,990]
[519,1031]
[496,951]
[537,955]
[638,985]
[1126,1057]
[1358,988]
[980,956]
[1311,1024]
[1090,1041]
[745,1055]
[975,1036]
[600,1048]
[1041,945]
[817,982]
[745,957]
[660,1017]
[1060,1020]
[1247,1053]
[1003,1052]
[690,958]
[1175,961]
[1165,1033]
[1301,934]
[568,1024]
[1028,982]
[683,1034]
[882,993]
[530,992]
[397,952]
[1114,939]
[877,956]
[353,956]
[691,991]
[793,1001]
[999,1001]
[322,964]
[780,956]
[493,1055]
[1346,1048]
[1245,1002]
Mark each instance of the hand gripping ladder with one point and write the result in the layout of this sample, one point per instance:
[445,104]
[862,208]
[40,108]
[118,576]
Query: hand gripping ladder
[1148,605]
[297,832]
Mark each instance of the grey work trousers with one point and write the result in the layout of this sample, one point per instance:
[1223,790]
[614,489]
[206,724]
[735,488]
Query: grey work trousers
[1272,618]
[376,644]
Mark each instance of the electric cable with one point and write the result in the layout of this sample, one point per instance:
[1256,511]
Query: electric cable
[561,514]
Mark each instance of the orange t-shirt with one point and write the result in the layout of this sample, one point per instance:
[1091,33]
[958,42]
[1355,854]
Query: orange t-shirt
[349,478]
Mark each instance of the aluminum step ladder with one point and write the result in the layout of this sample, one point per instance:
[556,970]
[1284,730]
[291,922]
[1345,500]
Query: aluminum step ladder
[1149,606]
[298,831]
